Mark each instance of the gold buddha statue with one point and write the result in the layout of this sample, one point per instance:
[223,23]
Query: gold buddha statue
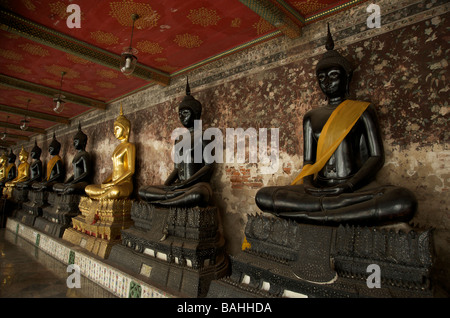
[10,169]
[23,173]
[119,185]
[3,161]
[106,210]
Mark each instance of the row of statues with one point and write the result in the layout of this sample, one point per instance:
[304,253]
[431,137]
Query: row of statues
[343,151]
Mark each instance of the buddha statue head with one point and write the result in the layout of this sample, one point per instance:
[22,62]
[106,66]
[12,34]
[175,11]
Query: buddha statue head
[3,159]
[11,157]
[23,155]
[122,126]
[334,72]
[80,139]
[36,151]
[189,109]
[55,146]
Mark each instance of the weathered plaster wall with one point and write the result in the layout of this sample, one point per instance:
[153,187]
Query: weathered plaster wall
[402,68]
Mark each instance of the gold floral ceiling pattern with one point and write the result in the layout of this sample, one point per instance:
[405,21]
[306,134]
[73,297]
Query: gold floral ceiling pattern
[171,37]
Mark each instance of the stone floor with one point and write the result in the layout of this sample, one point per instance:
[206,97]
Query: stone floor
[28,272]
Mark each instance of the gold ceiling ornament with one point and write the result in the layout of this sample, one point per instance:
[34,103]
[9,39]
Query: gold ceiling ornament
[104,38]
[161,60]
[122,11]
[203,16]
[29,4]
[49,82]
[105,85]
[236,23]
[262,26]
[59,8]
[149,47]
[10,55]
[77,60]
[108,74]
[188,40]
[84,88]
[56,70]
[34,49]
[18,69]
[309,6]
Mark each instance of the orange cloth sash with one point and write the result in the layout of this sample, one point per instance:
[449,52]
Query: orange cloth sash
[341,121]
[51,164]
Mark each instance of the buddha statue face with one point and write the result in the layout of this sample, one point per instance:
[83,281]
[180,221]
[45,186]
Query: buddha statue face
[23,156]
[54,146]
[80,139]
[119,132]
[333,81]
[186,117]
[35,152]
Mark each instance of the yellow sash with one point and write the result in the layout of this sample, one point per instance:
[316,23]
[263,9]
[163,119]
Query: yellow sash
[51,164]
[341,121]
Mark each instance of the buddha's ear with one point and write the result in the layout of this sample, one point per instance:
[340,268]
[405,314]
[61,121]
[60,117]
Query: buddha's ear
[347,86]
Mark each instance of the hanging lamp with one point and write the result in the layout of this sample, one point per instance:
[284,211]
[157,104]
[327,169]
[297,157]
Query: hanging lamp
[24,122]
[58,101]
[128,58]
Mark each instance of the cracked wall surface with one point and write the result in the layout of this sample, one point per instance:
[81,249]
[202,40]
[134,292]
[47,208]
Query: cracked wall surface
[402,68]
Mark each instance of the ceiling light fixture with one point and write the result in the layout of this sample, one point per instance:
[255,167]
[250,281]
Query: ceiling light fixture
[4,134]
[58,101]
[24,122]
[128,58]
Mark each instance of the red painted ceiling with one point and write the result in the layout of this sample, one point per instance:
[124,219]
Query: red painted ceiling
[171,37]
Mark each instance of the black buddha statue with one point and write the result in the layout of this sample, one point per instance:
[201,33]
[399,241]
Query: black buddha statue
[55,168]
[35,168]
[10,169]
[188,184]
[343,151]
[82,171]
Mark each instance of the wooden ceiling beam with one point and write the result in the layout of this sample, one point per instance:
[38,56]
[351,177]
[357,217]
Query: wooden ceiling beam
[33,114]
[17,127]
[5,144]
[20,137]
[49,92]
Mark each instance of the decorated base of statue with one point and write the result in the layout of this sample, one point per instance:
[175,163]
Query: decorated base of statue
[99,225]
[32,209]
[14,200]
[178,249]
[57,215]
[281,258]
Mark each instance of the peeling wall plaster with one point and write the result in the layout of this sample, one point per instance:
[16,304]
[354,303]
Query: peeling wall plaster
[402,68]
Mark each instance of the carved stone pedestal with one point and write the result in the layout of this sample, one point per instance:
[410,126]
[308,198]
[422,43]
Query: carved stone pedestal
[97,229]
[57,215]
[177,249]
[32,209]
[285,259]
[14,200]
